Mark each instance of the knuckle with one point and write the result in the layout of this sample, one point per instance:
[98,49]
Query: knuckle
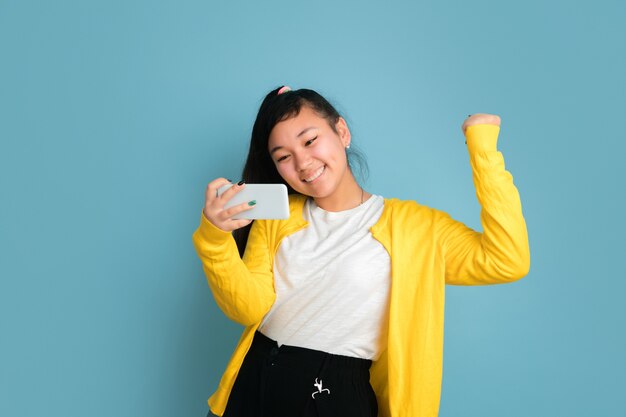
[214,182]
[217,183]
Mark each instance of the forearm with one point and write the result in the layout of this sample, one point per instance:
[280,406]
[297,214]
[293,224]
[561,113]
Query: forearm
[243,295]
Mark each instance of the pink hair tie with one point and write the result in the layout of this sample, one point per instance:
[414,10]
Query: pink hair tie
[283,89]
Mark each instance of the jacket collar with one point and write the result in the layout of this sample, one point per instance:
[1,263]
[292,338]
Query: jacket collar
[380,230]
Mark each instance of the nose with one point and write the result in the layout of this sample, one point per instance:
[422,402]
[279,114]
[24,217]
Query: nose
[303,160]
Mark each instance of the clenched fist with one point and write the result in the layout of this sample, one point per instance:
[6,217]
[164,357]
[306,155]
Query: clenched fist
[480,119]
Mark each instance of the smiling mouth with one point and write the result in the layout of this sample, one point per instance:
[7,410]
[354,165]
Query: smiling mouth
[315,175]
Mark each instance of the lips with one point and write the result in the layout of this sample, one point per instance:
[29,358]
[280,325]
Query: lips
[315,174]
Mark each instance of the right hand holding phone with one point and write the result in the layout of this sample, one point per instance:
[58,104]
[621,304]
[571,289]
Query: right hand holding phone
[214,206]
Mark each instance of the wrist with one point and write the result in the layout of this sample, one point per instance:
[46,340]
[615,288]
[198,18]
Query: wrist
[482,137]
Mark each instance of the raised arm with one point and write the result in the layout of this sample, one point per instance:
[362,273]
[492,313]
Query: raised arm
[243,289]
[501,252]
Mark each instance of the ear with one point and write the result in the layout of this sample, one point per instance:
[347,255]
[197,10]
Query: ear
[343,131]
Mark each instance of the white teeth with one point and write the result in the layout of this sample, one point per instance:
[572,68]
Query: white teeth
[316,174]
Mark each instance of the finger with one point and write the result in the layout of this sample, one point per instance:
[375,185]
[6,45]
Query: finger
[234,210]
[464,124]
[228,194]
[211,189]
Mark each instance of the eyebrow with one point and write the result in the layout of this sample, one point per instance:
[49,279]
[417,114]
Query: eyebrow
[299,134]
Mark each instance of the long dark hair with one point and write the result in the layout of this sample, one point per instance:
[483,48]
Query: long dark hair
[275,108]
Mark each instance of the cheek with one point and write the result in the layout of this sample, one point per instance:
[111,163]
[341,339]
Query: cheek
[286,171]
[333,153]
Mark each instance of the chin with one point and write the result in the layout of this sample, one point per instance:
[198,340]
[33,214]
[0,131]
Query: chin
[308,192]
[317,193]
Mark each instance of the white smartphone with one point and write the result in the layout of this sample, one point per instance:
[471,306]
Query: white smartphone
[272,201]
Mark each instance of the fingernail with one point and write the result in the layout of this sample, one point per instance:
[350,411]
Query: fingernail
[251,203]
[240,182]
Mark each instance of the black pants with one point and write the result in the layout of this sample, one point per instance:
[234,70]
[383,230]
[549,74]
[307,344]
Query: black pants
[291,381]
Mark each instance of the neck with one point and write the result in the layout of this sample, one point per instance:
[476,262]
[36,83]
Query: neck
[347,195]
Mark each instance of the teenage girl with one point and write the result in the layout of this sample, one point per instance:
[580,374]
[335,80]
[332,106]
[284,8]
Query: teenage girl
[343,303]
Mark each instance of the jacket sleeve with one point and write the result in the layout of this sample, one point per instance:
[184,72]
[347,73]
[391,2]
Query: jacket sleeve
[242,288]
[501,252]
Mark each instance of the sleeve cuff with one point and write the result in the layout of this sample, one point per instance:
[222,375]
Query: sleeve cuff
[482,137]
[210,232]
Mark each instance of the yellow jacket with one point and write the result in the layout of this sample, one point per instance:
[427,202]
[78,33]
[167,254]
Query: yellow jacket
[428,249]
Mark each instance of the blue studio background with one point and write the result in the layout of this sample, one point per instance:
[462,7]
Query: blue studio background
[114,115]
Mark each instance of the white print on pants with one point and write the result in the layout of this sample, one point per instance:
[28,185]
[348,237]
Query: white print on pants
[319,388]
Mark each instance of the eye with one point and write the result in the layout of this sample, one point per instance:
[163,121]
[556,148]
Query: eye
[310,141]
[282,158]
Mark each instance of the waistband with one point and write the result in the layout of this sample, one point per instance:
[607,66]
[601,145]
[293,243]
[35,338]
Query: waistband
[298,354]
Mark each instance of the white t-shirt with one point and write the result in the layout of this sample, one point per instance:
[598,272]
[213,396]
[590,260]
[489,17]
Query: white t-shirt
[332,282]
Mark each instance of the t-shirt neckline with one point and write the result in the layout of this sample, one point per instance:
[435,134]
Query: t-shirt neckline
[315,209]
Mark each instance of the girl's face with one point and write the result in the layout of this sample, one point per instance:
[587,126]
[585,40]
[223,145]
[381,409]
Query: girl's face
[309,155]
